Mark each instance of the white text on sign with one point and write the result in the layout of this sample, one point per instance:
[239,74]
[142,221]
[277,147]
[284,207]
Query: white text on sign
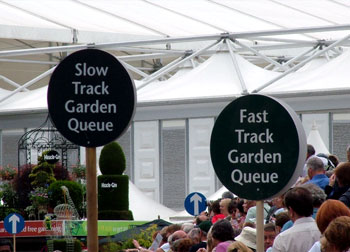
[261,157]
[95,106]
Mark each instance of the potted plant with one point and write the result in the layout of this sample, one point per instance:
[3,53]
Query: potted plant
[79,171]
[8,172]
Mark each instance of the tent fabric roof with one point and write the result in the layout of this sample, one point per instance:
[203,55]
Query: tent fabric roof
[216,77]
[89,21]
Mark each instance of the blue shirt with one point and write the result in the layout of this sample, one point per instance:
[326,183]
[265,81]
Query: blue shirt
[320,180]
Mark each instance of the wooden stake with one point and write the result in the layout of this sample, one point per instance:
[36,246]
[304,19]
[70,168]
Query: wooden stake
[91,198]
[260,226]
[14,243]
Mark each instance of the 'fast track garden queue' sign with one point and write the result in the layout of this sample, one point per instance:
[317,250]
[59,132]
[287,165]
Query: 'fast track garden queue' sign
[258,147]
[91,98]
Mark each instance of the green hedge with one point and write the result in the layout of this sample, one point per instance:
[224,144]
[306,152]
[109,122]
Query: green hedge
[115,215]
[113,198]
[112,159]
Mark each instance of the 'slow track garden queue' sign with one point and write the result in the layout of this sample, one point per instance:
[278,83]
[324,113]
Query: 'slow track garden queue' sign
[91,98]
[258,147]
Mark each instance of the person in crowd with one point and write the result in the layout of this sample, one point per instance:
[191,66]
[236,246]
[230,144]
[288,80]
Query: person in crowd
[348,153]
[304,232]
[318,196]
[182,245]
[187,227]
[310,152]
[165,246]
[316,172]
[222,235]
[224,204]
[216,213]
[240,216]
[238,246]
[179,234]
[328,211]
[276,208]
[281,219]
[334,159]
[204,228]
[228,195]
[251,212]
[339,182]
[232,208]
[269,235]
[248,237]
[195,235]
[201,217]
[337,235]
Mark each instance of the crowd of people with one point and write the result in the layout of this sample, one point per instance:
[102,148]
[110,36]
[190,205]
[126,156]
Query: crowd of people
[312,216]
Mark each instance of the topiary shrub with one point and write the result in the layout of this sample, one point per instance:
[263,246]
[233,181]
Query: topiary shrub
[42,174]
[56,196]
[112,159]
[113,187]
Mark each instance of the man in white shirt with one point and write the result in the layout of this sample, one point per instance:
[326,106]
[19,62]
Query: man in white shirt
[304,232]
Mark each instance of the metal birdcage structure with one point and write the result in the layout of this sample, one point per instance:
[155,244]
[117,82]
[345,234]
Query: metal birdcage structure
[44,138]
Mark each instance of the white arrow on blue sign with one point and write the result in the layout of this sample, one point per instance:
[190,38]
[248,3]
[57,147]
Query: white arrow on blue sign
[195,203]
[14,223]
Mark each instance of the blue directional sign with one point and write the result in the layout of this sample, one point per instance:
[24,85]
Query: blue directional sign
[195,203]
[14,223]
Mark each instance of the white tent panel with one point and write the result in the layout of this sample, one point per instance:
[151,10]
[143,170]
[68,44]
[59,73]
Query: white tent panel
[25,101]
[216,77]
[145,208]
[136,19]
[334,75]
[159,19]
[314,138]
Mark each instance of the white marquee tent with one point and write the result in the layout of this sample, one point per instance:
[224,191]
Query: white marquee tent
[291,49]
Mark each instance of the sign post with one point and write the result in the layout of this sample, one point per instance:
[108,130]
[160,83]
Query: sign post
[258,149]
[14,224]
[91,101]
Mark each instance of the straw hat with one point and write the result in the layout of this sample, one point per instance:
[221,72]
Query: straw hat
[248,237]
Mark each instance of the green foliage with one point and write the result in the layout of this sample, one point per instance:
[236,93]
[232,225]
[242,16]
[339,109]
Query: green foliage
[112,159]
[56,195]
[144,238]
[23,186]
[9,195]
[61,245]
[116,198]
[42,174]
[4,211]
[115,215]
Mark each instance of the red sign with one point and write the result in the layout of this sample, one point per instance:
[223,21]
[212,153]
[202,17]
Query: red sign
[36,228]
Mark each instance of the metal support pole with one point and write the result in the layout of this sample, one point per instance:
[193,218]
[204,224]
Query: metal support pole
[301,64]
[28,84]
[168,69]
[235,63]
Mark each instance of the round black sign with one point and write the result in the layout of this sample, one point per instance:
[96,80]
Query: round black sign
[258,147]
[91,98]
